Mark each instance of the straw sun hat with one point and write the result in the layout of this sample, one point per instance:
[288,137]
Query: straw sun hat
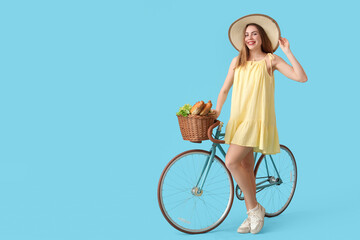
[267,23]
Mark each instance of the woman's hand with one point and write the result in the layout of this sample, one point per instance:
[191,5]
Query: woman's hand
[216,112]
[284,44]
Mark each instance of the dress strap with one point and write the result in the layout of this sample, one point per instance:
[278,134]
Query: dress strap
[271,57]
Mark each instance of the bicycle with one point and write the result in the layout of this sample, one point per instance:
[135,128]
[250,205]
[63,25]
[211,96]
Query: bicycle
[196,191]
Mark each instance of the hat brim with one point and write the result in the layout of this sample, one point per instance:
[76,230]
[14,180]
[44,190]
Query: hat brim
[267,23]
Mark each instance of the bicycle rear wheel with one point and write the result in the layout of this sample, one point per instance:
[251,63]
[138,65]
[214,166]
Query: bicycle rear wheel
[280,171]
[182,205]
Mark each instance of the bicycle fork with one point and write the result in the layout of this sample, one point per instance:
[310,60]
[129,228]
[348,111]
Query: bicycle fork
[197,191]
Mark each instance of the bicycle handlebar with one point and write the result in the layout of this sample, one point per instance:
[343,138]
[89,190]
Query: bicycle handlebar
[217,122]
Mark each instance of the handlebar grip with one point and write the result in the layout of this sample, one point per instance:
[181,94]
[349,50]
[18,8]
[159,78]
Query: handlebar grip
[217,122]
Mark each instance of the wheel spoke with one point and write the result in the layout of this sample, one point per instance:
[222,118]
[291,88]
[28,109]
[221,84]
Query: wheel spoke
[276,198]
[182,206]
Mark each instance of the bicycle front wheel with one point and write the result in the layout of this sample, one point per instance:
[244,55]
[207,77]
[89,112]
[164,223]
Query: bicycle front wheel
[183,206]
[276,177]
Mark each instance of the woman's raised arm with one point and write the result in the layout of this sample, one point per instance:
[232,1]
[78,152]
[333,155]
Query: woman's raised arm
[294,72]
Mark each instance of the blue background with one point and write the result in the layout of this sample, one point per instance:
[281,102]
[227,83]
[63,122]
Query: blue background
[88,96]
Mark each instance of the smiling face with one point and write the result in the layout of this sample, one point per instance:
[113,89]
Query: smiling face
[252,37]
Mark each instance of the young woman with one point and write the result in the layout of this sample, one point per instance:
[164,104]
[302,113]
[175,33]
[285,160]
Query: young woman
[252,123]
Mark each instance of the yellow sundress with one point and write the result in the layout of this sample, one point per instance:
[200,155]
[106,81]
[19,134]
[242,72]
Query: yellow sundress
[252,120]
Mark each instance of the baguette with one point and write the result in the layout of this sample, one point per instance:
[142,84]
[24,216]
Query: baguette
[206,109]
[194,107]
[197,108]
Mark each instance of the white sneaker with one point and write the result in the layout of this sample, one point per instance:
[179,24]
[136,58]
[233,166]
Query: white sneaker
[245,226]
[256,219]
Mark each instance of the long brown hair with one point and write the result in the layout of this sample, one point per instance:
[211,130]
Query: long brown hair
[265,45]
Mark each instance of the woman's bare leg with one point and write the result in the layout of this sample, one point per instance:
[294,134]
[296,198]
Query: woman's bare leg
[239,169]
[247,166]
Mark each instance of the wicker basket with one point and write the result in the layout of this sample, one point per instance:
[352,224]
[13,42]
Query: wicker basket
[194,127]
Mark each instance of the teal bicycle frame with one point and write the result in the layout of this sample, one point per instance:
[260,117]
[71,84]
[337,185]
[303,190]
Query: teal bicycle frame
[210,160]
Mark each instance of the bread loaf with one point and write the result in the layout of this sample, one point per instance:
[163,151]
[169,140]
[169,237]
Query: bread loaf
[206,109]
[197,108]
